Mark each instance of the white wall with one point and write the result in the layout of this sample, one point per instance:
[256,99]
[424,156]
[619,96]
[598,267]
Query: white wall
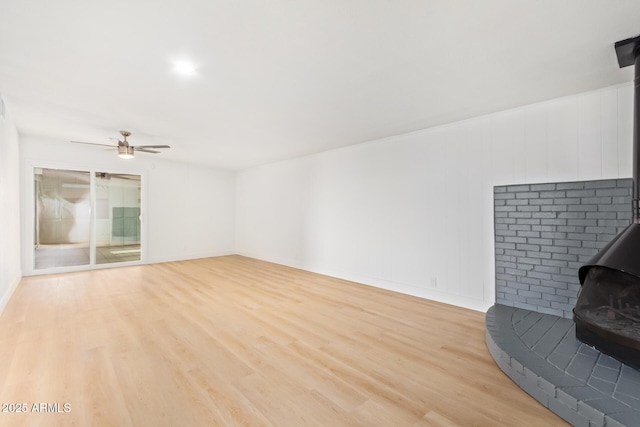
[191,212]
[414,213]
[188,210]
[10,272]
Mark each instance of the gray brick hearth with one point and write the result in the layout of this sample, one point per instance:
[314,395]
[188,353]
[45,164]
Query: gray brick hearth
[541,354]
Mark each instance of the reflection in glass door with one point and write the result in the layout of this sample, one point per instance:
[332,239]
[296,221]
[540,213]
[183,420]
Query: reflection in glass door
[117,217]
[64,224]
[62,231]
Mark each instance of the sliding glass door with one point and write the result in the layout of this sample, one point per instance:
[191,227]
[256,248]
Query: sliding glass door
[84,218]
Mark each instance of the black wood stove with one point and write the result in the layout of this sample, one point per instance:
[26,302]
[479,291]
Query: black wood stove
[607,314]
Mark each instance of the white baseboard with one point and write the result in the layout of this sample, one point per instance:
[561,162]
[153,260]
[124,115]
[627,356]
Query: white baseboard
[157,260]
[7,295]
[430,294]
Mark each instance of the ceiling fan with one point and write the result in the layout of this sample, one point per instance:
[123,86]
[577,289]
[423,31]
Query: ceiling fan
[126,151]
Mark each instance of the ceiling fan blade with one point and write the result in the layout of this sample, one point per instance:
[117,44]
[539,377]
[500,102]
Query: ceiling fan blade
[146,150]
[93,143]
[137,147]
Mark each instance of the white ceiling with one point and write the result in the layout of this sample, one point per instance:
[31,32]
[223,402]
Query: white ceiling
[283,78]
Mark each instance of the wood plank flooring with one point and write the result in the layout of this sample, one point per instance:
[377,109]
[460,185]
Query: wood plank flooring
[233,341]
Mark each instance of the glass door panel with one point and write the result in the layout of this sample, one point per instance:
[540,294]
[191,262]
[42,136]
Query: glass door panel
[117,217]
[62,233]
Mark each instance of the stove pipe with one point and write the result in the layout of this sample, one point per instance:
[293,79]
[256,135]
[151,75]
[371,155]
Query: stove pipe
[623,252]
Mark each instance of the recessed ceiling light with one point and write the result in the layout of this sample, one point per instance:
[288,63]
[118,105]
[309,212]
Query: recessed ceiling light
[185,68]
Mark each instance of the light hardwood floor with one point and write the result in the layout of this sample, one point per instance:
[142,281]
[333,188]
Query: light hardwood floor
[235,341]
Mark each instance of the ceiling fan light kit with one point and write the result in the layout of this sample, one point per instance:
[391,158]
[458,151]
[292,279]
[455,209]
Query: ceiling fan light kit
[126,151]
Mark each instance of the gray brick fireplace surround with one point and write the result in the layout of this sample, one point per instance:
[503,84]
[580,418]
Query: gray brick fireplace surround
[543,234]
